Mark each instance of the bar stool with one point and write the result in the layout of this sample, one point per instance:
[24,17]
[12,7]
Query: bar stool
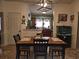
[23,50]
[40,48]
[57,51]
[24,53]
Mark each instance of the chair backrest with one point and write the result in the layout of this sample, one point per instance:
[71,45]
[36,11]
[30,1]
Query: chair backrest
[40,46]
[47,32]
[16,38]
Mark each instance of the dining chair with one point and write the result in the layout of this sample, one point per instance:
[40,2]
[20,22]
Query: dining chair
[16,39]
[27,47]
[40,48]
[18,36]
[23,50]
[56,51]
[47,32]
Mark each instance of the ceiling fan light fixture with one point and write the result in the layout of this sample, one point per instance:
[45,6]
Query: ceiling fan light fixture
[41,4]
[44,12]
[45,4]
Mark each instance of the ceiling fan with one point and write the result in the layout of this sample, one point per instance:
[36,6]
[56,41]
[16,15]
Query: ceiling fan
[45,5]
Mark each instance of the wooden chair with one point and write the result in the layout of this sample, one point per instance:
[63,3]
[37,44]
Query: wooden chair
[26,47]
[40,48]
[56,51]
[23,50]
[47,33]
[18,36]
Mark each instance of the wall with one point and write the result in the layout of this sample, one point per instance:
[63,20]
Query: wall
[70,9]
[61,9]
[12,7]
[75,7]
[64,9]
[0,5]
[23,9]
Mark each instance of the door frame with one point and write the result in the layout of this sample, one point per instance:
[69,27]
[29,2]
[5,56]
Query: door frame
[2,29]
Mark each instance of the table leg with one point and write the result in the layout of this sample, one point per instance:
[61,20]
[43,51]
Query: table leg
[17,52]
[63,53]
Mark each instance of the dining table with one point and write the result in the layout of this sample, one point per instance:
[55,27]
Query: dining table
[52,41]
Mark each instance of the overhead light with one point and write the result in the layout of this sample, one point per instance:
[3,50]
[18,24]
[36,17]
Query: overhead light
[44,12]
[41,4]
[45,4]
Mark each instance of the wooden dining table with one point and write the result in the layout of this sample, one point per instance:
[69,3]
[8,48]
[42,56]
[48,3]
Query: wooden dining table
[51,42]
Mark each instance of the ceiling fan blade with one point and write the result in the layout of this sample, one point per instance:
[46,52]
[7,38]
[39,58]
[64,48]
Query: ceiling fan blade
[39,8]
[48,8]
[44,8]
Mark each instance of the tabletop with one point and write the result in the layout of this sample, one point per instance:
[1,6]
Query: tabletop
[51,40]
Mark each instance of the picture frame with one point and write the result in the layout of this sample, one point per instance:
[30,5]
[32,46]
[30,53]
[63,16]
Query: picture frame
[71,17]
[62,17]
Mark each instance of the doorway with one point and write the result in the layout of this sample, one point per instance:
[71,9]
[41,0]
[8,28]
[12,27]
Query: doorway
[14,25]
[1,28]
[77,43]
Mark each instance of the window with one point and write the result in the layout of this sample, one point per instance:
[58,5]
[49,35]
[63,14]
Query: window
[42,22]
[39,23]
[46,23]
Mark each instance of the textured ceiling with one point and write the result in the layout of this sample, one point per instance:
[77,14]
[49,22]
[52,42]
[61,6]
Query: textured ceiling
[35,7]
[36,1]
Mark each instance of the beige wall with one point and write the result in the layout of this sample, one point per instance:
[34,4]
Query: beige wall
[70,9]
[12,7]
[61,9]
[23,9]
[75,7]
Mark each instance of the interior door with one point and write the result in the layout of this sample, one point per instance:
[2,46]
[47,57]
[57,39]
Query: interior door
[14,23]
[77,43]
[1,28]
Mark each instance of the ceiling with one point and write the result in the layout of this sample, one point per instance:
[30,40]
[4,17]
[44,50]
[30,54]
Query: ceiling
[34,7]
[37,1]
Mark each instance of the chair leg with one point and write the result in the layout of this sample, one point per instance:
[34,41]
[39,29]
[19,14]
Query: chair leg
[29,53]
[25,54]
[46,57]
[49,52]
[52,54]
[34,56]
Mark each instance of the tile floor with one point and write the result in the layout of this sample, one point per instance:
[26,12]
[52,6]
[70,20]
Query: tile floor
[9,52]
